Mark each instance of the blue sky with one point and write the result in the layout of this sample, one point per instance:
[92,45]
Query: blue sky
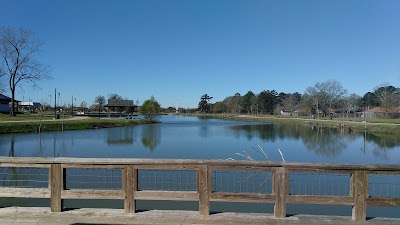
[180,50]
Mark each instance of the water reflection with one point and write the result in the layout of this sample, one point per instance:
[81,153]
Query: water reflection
[324,141]
[120,136]
[12,150]
[151,136]
[203,131]
[329,142]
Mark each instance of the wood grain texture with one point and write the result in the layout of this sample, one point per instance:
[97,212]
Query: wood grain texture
[56,185]
[360,194]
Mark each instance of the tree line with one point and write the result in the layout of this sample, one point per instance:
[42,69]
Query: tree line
[321,99]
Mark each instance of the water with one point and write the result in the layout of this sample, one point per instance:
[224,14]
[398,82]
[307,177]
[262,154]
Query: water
[195,138]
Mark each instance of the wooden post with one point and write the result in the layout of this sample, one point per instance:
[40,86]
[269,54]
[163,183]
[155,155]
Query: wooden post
[129,185]
[280,189]
[204,190]
[56,185]
[360,194]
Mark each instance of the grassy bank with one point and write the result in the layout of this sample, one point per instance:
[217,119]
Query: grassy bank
[59,125]
[381,126]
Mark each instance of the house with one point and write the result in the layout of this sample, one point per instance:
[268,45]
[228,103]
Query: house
[120,105]
[4,104]
[380,112]
[286,112]
[29,106]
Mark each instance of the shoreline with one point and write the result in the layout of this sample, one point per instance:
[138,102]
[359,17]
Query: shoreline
[37,126]
[346,125]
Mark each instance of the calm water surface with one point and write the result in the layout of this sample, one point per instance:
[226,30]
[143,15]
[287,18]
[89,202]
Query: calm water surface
[195,138]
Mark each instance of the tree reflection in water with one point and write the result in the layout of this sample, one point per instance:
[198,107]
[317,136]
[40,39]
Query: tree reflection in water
[151,136]
[329,142]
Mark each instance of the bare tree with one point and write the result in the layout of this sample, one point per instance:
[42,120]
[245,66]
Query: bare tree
[325,95]
[100,101]
[18,64]
[312,98]
[332,92]
[388,97]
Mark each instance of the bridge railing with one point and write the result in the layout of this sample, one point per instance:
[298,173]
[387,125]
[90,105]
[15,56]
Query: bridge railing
[204,181]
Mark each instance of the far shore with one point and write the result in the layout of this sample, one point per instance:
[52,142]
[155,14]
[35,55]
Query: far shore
[34,124]
[382,126]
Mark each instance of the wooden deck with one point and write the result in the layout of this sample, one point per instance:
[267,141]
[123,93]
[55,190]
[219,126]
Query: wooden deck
[36,216]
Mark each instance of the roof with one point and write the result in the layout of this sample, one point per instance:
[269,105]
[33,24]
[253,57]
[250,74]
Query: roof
[383,110]
[116,103]
[35,104]
[3,97]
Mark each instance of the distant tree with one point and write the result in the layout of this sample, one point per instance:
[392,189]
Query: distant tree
[312,99]
[150,109]
[18,65]
[388,97]
[325,95]
[247,102]
[267,101]
[171,109]
[234,104]
[203,104]
[331,92]
[254,104]
[351,103]
[290,101]
[83,106]
[219,107]
[100,101]
[369,100]
[114,96]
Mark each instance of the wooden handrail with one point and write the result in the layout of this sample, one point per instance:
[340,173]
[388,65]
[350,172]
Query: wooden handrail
[357,198]
[185,162]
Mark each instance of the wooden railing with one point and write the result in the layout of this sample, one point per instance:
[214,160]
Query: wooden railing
[357,197]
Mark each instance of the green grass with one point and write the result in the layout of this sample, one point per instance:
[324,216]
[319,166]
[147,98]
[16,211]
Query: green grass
[59,125]
[22,117]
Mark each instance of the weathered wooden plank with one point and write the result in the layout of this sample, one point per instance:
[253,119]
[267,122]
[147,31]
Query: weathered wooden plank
[168,167]
[167,195]
[135,179]
[321,200]
[129,199]
[56,186]
[86,166]
[280,190]
[204,191]
[33,165]
[321,170]
[25,192]
[182,162]
[383,201]
[360,193]
[241,168]
[242,197]
[385,172]
[91,194]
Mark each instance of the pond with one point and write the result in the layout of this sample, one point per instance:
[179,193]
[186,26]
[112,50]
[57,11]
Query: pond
[195,138]
[186,137]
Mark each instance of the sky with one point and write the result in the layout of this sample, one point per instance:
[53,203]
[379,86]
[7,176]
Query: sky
[178,50]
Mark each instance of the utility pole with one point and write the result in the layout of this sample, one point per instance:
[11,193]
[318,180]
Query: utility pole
[72,106]
[55,103]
